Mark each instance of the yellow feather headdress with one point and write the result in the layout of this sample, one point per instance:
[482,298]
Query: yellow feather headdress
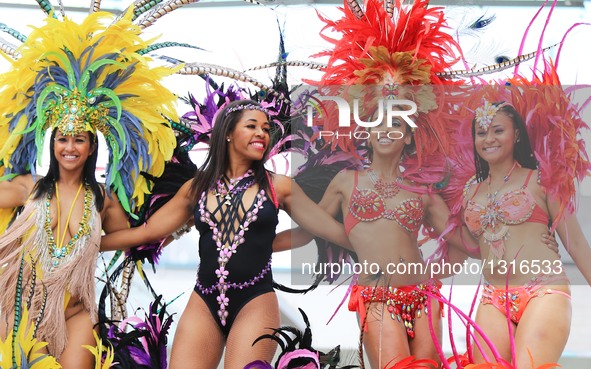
[93,76]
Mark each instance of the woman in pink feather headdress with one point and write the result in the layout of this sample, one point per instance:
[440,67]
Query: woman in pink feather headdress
[528,154]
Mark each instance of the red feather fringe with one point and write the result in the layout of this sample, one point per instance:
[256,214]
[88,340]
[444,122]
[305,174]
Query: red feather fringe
[358,58]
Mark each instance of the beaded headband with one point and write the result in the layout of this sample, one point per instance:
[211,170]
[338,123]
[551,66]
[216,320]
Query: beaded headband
[485,114]
[247,107]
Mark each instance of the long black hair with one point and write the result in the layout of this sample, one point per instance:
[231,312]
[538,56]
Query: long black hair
[47,184]
[522,151]
[217,160]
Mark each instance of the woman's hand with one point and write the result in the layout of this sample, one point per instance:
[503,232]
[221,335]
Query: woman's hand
[549,240]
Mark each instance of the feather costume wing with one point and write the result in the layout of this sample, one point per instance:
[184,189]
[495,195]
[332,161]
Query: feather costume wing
[554,122]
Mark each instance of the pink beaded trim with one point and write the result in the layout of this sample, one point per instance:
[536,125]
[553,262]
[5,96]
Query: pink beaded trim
[247,107]
[234,285]
[227,250]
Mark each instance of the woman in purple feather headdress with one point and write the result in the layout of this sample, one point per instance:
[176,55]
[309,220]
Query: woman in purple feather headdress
[234,201]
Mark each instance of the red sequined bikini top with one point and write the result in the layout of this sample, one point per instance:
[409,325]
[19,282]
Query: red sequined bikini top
[513,207]
[366,205]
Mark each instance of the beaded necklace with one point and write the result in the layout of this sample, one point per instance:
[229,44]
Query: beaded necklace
[495,238]
[59,252]
[492,204]
[385,189]
[226,187]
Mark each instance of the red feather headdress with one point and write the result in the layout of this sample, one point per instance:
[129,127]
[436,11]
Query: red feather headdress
[401,50]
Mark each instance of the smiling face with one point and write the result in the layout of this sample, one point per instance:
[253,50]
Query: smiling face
[251,136]
[388,141]
[71,152]
[496,143]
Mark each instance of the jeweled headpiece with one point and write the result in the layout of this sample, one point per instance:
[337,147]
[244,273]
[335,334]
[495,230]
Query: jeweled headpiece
[72,114]
[247,107]
[485,114]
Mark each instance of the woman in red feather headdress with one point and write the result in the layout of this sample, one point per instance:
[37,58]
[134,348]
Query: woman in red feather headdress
[386,52]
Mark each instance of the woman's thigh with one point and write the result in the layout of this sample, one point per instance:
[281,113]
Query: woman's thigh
[495,326]
[385,341]
[255,319]
[80,333]
[198,342]
[543,330]
[427,334]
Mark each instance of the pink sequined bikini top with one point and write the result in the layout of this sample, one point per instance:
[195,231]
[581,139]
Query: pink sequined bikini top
[513,207]
[366,205]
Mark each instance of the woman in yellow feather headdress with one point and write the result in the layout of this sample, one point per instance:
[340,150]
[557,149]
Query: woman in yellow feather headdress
[75,80]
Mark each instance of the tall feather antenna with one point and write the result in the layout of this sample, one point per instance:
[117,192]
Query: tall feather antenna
[62,9]
[495,67]
[41,311]
[389,6]
[12,32]
[202,69]
[162,10]
[46,6]
[17,310]
[355,8]
[139,7]
[10,50]
[292,63]
[95,6]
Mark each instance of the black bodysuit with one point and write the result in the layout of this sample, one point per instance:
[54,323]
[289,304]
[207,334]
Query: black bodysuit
[240,270]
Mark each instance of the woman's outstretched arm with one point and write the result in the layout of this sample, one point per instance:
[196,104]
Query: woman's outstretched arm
[298,237]
[307,214]
[113,216]
[161,224]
